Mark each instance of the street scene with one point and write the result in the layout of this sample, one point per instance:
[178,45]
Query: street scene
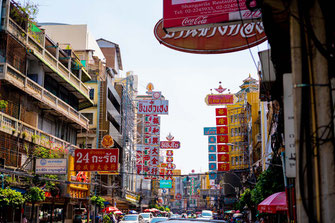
[171,111]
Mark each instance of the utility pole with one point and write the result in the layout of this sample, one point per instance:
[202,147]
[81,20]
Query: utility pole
[315,200]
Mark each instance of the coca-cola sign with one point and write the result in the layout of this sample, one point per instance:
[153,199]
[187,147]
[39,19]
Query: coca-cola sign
[170,145]
[153,107]
[222,39]
[190,14]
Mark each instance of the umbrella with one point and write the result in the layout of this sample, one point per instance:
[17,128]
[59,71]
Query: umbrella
[147,210]
[154,210]
[132,212]
[117,212]
[274,203]
[110,209]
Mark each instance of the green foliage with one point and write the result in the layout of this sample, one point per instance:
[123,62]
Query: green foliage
[245,200]
[107,219]
[12,198]
[98,201]
[50,185]
[268,182]
[35,194]
[161,208]
[167,209]
[45,153]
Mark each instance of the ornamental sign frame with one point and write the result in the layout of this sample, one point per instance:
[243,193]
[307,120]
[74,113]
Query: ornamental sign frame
[227,38]
[219,99]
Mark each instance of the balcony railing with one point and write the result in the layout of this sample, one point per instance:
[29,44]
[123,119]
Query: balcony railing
[9,73]
[36,44]
[15,127]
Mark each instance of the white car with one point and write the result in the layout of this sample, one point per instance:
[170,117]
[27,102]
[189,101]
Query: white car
[147,216]
[132,218]
[206,215]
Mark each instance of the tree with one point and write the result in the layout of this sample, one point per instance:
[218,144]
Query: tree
[266,185]
[10,198]
[97,201]
[33,195]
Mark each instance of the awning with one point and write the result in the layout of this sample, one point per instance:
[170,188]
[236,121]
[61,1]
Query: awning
[274,203]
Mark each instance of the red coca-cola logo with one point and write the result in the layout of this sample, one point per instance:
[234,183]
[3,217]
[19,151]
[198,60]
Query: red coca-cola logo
[169,144]
[201,20]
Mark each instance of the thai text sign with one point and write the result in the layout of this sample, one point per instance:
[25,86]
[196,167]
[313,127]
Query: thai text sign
[209,131]
[153,107]
[219,99]
[51,166]
[165,183]
[96,159]
[214,40]
[169,144]
[199,13]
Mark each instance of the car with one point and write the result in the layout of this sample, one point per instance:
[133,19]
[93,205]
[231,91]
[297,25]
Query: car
[183,220]
[147,216]
[158,219]
[206,215]
[133,218]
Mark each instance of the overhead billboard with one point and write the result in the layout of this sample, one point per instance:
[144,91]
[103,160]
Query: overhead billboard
[169,144]
[96,159]
[153,107]
[222,39]
[51,166]
[219,99]
[185,14]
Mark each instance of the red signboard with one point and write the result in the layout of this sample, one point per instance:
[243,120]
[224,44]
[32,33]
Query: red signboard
[222,130]
[178,196]
[222,139]
[169,152]
[215,40]
[221,121]
[223,148]
[180,14]
[96,159]
[219,99]
[223,157]
[221,111]
[169,144]
[223,167]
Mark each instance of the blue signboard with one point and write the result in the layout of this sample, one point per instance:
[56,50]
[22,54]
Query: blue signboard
[212,148]
[212,166]
[209,131]
[211,139]
[165,184]
[212,157]
[212,175]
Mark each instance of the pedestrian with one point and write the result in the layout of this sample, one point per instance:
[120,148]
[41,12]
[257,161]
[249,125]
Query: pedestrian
[24,219]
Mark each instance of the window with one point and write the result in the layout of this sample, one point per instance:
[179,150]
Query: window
[89,116]
[92,93]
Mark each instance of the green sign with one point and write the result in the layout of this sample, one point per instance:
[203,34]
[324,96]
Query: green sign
[165,184]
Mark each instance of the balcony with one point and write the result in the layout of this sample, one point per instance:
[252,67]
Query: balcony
[35,44]
[15,127]
[15,77]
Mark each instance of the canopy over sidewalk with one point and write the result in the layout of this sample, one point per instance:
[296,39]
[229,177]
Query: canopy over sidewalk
[274,203]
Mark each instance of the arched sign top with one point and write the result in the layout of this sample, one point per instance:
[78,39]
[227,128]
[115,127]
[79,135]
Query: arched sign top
[214,40]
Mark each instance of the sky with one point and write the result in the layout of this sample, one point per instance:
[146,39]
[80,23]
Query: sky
[183,78]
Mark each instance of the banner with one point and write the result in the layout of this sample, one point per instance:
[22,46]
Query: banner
[221,121]
[223,157]
[222,139]
[96,159]
[223,167]
[222,130]
[223,148]
[153,107]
